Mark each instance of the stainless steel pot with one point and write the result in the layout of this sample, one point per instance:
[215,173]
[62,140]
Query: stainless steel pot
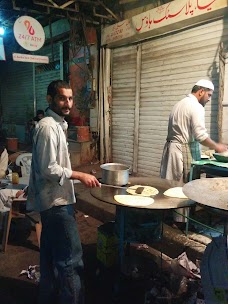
[115,174]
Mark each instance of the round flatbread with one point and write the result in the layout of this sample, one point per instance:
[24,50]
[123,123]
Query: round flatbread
[133,200]
[147,190]
[175,192]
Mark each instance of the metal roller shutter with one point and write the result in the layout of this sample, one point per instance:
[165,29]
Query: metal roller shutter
[123,103]
[170,65]
[16,92]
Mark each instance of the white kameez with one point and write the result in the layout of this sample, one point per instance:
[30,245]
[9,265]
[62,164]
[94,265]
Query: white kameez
[186,128]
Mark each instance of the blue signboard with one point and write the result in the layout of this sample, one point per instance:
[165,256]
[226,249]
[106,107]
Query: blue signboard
[2,50]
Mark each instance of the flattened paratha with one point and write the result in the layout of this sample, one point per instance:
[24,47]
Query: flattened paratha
[133,200]
[147,190]
[176,192]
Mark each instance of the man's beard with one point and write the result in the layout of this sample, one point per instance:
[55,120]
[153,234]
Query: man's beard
[58,110]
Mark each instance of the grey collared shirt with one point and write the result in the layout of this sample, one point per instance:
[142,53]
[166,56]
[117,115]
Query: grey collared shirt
[50,183]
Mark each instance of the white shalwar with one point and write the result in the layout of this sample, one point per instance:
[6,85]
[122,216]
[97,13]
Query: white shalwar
[186,129]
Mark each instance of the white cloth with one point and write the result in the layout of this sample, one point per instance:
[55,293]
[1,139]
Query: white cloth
[206,84]
[50,183]
[4,158]
[186,125]
[172,163]
[6,197]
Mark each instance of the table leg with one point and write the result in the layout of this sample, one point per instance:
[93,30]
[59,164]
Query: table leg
[191,172]
[187,226]
[226,228]
[121,236]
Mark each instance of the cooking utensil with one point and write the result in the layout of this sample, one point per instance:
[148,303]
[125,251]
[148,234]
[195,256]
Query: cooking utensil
[112,186]
[211,192]
[115,174]
[221,157]
[139,190]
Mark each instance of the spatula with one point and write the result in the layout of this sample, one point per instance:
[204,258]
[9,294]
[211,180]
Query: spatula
[139,190]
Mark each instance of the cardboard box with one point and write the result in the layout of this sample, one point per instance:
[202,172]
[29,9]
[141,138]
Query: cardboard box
[107,244]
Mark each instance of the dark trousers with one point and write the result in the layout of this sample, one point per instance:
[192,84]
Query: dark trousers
[61,265]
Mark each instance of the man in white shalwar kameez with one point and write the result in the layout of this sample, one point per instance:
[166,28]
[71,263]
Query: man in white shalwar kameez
[186,130]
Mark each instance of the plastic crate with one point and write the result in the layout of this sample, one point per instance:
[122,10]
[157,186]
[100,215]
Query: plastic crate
[140,226]
[108,259]
[107,244]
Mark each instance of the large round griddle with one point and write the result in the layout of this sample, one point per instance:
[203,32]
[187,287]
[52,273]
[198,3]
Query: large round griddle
[210,192]
[161,202]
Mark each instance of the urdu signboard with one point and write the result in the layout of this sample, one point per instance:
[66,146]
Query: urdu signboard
[29,33]
[162,19]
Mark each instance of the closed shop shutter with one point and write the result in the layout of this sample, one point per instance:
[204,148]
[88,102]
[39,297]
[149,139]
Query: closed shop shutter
[170,65]
[16,92]
[46,73]
[123,103]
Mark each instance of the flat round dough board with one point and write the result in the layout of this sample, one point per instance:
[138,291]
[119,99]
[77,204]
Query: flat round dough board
[175,192]
[147,190]
[133,200]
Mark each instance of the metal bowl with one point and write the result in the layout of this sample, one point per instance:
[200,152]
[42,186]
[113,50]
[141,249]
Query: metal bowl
[115,174]
[221,157]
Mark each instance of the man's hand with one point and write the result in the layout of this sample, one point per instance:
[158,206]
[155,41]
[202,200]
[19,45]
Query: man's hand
[87,179]
[221,148]
[20,192]
[218,147]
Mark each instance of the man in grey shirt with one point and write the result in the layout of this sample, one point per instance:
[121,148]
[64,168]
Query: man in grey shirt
[51,193]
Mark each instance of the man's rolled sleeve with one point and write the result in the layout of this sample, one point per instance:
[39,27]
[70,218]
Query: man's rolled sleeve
[67,173]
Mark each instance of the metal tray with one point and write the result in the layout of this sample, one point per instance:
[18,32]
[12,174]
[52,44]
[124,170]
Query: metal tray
[210,192]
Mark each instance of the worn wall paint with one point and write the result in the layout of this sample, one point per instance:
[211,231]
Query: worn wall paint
[58,27]
[79,76]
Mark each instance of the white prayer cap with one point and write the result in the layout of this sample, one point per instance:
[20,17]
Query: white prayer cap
[206,84]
